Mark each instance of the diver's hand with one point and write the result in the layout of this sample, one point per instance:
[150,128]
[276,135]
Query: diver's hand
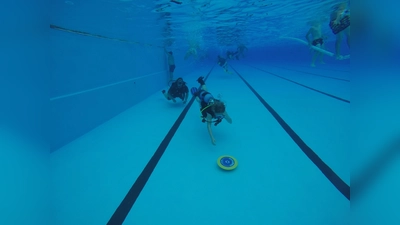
[213,141]
[336,22]
[201,80]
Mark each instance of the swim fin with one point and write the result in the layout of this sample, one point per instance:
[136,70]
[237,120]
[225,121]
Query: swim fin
[201,81]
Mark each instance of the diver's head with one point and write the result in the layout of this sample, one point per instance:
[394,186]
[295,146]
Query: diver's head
[179,82]
[218,107]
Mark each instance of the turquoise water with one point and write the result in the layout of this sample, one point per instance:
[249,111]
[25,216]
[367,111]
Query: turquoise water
[274,182]
[88,138]
[129,156]
[208,24]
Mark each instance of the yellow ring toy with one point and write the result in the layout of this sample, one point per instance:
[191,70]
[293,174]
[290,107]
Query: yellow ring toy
[227,162]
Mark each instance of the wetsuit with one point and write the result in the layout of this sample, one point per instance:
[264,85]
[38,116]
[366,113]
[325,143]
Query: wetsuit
[179,92]
[206,101]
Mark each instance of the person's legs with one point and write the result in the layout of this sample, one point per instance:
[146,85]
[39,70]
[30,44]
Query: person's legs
[168,96]
[171,75]
[314,57]
[225,66]
[321,58]
[347,31]
[315,53]
[171,72]
[171,97]
[339,37]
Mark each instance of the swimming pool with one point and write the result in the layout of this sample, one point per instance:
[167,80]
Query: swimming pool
[81,90]
[275,182]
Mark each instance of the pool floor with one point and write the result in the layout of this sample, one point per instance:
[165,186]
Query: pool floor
[275,181]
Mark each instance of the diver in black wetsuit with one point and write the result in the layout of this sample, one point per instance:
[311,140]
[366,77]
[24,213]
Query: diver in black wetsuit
[177,89]
[223,63]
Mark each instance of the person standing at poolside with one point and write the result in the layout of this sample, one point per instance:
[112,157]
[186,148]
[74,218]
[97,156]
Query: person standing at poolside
[171,64]
[340,25]
[317,41]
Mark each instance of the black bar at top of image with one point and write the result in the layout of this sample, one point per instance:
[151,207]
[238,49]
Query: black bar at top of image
[322,166]
[321,92]
[127,203]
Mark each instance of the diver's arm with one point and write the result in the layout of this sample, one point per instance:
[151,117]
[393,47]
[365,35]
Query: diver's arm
[338,16]
[227,117]
[210,132]
[209,118]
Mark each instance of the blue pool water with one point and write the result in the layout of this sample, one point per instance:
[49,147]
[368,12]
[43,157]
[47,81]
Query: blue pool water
[87,136]
[274,177]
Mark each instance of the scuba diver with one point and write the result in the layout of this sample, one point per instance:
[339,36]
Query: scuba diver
[212,110]
[177,89]
[223,63]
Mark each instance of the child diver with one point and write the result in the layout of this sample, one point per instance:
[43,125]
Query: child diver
[212,110]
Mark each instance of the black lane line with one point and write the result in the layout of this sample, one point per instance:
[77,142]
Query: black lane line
[127,203]
[97,35]
[322,166]
[314,74]
[332,96]
[344,71]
